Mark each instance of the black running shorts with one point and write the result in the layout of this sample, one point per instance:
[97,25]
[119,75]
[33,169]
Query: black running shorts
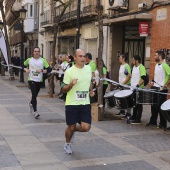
[77,114]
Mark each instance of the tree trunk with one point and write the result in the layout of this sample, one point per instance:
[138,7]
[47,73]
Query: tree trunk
[7,42]
[100,53]
[51,84]
[2,67]
[55,32]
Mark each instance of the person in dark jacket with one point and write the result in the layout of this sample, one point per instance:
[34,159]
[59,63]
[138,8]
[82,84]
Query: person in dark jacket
[16,62]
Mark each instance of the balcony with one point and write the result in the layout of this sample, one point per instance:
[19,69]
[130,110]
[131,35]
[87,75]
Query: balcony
[70,13]
[46,19]
[16,39]
[90,9]
[11,11]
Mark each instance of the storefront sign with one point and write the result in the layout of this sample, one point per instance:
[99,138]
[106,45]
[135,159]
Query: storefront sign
[161,14]
[143,29]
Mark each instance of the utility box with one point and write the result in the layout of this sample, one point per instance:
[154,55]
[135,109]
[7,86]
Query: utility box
[95,112]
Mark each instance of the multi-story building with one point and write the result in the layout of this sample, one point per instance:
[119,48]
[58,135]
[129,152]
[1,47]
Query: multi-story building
[30,39]
[124,22]
[66,38]
[45,36]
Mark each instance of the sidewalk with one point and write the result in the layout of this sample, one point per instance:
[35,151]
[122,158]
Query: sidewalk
[30,144]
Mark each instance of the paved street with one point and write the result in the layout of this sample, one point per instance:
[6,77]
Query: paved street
[29,144]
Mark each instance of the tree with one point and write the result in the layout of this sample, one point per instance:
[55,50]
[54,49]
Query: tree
[100,52]
[55,31]
[6,39]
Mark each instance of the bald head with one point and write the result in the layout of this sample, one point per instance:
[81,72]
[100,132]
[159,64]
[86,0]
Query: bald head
[77,51]
[79,58]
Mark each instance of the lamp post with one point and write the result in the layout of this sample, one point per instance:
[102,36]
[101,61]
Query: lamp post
[2,71]
[22,16]
[78,24]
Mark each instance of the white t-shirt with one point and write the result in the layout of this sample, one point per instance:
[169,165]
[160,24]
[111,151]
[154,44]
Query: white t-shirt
[122,76]
[135,76]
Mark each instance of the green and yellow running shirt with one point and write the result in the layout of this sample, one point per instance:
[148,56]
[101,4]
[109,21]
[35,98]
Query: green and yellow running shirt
[35,64]
[79,94]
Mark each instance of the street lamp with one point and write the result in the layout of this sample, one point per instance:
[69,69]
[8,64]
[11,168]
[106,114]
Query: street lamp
[22,16]
[78,24]
[2,70]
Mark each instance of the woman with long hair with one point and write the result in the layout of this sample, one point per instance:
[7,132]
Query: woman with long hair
[105,83]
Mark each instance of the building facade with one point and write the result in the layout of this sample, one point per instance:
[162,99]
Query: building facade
[124,23]
[121,29]
[30,27]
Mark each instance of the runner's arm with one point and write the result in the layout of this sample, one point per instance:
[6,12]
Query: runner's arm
[67,87]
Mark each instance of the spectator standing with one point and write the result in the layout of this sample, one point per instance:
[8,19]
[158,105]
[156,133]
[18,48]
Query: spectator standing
[137,81]
[161,81]
[16,62]
[91,63]
[105,83]
[124,78]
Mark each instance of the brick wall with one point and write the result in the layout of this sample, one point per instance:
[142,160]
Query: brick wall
[160,35]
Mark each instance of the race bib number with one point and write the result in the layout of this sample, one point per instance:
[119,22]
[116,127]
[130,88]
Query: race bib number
[34,74]
[81,95]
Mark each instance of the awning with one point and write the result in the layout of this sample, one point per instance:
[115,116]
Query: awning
[127,20]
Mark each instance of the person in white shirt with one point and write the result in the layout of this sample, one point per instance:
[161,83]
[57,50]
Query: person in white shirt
[161,81]
[124,78]
[137,81]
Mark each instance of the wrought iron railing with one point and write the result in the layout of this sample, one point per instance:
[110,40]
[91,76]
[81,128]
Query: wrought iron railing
[46,18]
[89,9]
[71,11]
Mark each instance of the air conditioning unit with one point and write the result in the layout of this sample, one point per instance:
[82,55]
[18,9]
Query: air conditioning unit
[116,3]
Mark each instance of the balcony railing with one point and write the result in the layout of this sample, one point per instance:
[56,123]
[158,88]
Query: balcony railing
[89,9]
[46,18]
[16,39]
[71,11]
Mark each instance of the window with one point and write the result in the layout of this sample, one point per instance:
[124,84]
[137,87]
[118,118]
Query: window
[31,10]
[37,9]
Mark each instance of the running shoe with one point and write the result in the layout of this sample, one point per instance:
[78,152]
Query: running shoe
[36,115]
[67,148]
[31,108]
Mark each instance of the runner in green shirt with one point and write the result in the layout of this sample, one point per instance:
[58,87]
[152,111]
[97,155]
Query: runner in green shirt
[76,83]
[35,67]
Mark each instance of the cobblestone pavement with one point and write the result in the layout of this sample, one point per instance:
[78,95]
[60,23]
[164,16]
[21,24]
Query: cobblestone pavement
[29,144]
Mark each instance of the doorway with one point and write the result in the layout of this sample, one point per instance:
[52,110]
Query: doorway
[133,44]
